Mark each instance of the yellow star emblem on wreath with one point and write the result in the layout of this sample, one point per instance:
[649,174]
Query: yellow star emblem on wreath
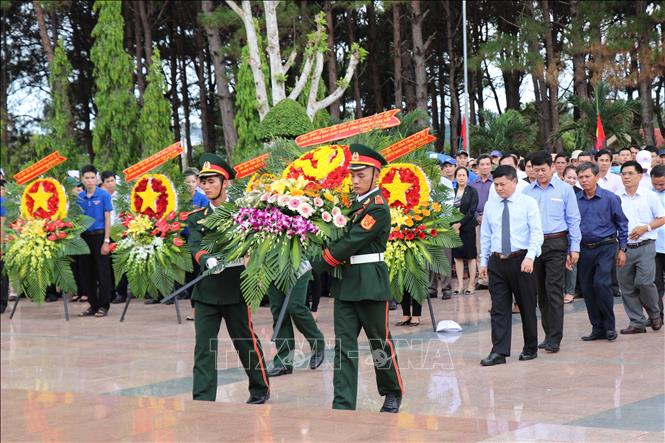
[397,190]
[149,198]
[40,197]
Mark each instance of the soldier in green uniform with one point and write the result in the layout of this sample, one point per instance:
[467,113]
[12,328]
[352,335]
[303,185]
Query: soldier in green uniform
[219,297]
[363,292]
[298,314]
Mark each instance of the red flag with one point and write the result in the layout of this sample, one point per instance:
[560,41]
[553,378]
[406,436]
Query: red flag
[600,134]
[463,135]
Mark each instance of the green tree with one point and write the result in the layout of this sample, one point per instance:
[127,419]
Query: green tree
[510,130]
[113,138]
[287,119]
[58,124]
[155,120]
[247,116]
[617,117]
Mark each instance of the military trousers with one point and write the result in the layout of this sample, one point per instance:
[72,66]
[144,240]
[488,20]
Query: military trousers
[238,318]
[298,314]
[350,318]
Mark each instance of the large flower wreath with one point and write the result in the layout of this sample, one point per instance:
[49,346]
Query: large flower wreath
[41,242]
[420,231]
[152,253]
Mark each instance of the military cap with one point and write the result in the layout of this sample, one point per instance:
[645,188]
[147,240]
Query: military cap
[363,156]
[213,164]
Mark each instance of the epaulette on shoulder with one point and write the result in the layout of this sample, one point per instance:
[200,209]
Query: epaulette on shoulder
[378,200]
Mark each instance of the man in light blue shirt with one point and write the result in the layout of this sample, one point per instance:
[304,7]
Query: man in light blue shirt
[658,184]
[560,218]
[510,237]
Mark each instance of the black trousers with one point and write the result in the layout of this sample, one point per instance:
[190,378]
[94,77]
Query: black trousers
[506,279]
[595,274]
[4,288]
[410,307]
[96,272]
[660,282]
[550,272]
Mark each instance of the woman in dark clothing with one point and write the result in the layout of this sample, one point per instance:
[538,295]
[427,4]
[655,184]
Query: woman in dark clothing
[466,200]
[411,311]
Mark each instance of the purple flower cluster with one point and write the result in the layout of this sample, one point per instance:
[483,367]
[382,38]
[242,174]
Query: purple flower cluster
[273,221]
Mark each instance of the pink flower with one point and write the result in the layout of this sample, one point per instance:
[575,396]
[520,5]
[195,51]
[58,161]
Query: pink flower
[265,197]
[318,202]
[294,203]
[325,215]
[306,210]
[178,241]
[336,211]
[283,200]
[339,220]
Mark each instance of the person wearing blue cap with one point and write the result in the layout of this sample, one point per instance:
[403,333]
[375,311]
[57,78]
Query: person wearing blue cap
[496,157]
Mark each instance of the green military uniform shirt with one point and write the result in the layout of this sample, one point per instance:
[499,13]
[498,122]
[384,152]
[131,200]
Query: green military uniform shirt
[368,231]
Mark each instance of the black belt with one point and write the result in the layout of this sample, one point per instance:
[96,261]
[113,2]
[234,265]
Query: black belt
[511,255]
[97,232]
[556,235]
[639,244]
[602,242]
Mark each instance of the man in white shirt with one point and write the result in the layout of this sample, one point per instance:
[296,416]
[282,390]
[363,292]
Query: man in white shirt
[511,238]
[658,186]
[607,180]
[645,214]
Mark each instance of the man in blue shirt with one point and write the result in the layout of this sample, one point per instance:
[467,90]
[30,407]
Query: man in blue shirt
[658,186]
[96,203]
[511,237]
[560,219]
[603,223]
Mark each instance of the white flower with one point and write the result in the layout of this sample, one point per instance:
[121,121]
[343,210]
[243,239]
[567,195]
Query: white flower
[318,202]
[325,215]
[336,211]
[283,200]
[294,202]
[273,198]
[265,197]
[339,221]
[306,210]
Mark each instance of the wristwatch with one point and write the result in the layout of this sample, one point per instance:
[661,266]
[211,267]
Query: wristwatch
[648,228]
[107,240]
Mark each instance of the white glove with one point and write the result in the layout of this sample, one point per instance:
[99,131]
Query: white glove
[213,263]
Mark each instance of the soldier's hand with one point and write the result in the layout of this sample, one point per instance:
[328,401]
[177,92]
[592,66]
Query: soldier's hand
[212,263]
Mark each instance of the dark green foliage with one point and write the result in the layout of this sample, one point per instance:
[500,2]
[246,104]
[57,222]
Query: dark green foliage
[287,119]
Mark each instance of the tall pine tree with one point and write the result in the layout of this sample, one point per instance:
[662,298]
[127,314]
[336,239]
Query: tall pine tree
[247,116]
[155,120]
[113,138]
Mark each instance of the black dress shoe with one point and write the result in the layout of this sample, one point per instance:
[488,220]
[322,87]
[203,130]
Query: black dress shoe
[593,336]
[524,356]
[391,404]
[612,335]
[258,399]
[317,359]
[552,347]
[276,371]
[119,299]
[446,296]
[543,344]
[633,330]
[493,359]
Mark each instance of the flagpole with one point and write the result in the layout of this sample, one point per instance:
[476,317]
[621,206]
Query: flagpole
[466,80]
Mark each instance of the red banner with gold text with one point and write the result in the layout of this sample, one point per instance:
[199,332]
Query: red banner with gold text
[383,120]
[407,145]
[251,166]
[36,169]
[153,161]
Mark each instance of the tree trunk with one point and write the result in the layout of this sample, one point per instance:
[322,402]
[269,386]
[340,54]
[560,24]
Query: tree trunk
[138,55]
[332,58]
[579,71]
[409,84]
[511,81]
[199,67]
[43,32]
[645,79]
[373,59]
[552,74]
[435,109]
[184,90]
[226,105]
[454,103]
[441,140]
[147,30]
[350,27]
[397,56]
[175,100]
[539,88]
[419,55]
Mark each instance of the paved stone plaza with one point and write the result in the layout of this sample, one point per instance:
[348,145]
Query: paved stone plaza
[95,379]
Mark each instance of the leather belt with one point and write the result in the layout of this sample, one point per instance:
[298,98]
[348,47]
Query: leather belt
[639,244]
[511,255]
[95,232]
[366,258]
[602,242]
[556,235]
